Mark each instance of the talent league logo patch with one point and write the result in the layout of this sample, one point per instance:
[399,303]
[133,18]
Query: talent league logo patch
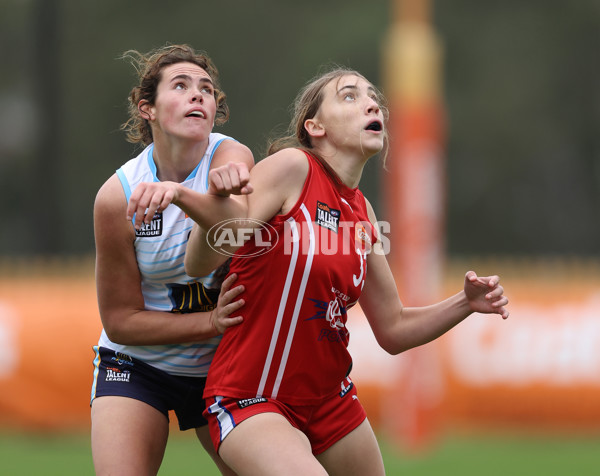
[251,401]
[327,217]
[154,228]
[117,375]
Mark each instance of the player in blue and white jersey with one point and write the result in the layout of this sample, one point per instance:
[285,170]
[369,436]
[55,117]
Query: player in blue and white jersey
[160,326]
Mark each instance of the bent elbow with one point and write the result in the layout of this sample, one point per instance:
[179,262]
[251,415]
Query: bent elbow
[114,335]
[391,346]
[393,350]
[115,332]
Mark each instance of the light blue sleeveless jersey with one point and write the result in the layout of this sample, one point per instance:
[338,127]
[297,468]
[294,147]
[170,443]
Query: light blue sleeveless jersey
[160,250]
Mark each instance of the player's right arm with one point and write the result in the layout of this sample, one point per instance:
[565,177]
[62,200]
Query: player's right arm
[118,283]
[277,183]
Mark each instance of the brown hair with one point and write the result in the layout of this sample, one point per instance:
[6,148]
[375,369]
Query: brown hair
[149,68]
[307,104]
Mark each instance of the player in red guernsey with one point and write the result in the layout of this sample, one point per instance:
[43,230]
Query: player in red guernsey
[279,396]
[294,337]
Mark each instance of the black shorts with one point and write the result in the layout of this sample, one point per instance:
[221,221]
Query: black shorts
[118,374]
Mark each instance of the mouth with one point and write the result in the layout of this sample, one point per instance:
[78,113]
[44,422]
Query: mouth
[374,126]
[198,114]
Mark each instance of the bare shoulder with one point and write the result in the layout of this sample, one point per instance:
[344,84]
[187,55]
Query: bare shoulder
[112,229]
[232,151]
[278,181]
[110,198]
[287,164]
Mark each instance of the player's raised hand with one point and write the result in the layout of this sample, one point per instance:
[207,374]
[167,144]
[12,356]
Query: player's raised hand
[231,178]
[149,198]
[485,294]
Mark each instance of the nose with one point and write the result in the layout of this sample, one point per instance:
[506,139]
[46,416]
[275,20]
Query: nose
[197,96]
[372,106]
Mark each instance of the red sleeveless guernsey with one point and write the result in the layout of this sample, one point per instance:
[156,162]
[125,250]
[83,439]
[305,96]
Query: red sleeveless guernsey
[292,344]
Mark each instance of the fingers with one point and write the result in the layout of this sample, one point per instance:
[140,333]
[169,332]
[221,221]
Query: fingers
[229,296]
[247,189]
[244,179]
[232,321]
[140,202]
[228,320]
[132,205]
[222,179]
[486,294]
[227,283]
[497,301]
[477,281]
[498,306]
[228,303]
[497,298]
[243,172]
[503,312]
[147,200]
[489,281]
[494,293]
[231,178]
[215,183]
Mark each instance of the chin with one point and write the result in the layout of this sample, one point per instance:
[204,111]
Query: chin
[370,151]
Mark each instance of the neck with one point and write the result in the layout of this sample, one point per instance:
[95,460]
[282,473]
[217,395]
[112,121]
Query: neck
[347,167]
[175,160]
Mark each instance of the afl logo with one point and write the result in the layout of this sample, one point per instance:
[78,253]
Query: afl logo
[230,235]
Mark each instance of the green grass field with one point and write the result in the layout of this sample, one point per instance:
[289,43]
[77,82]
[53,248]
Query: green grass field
[66,455]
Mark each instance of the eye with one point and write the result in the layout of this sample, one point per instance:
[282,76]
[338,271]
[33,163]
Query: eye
[208,90]
[179,86]
[349,97]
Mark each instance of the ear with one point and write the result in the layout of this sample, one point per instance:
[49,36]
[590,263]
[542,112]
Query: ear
[146,110]
[314,128]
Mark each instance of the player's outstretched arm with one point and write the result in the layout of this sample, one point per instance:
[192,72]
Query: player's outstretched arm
[398,328]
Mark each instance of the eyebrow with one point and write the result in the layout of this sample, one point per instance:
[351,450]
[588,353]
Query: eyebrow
[354,87]
[349,86]
[189,78]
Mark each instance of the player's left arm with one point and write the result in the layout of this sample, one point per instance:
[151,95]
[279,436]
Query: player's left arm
[398,328]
